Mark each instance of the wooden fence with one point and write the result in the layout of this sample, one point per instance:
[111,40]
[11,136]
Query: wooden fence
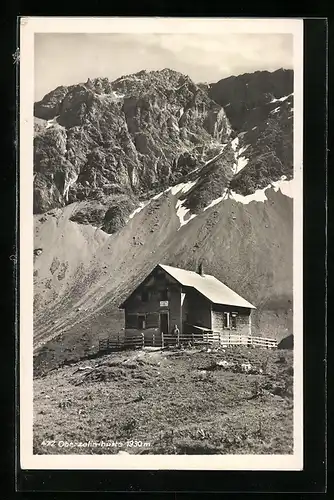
[226,339]
[249,340]
[205,338]
[121,342]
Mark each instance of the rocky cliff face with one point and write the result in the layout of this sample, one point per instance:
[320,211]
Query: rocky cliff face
[140,133]
[114,143]
[245,97]
[151,168]
[259,107]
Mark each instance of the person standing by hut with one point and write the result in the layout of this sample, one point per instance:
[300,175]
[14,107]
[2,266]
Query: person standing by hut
[176,334]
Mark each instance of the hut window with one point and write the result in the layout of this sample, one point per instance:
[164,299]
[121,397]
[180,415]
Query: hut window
[234,320]
[152,320]
[164,294]
[145,296]
[226,320]
[131,321]
[141,321]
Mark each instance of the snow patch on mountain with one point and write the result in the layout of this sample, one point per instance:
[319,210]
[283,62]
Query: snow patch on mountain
[286,187]
[181,212]
[216,201]
[243,149]
[282,99]
[240,160]
[183,187]
[215,157]
[112,95]
[155,197]
[175,127]
[241,163]
[131,78]
[259,195]
[118,96]
[53,122]
[235,143]
[138,209]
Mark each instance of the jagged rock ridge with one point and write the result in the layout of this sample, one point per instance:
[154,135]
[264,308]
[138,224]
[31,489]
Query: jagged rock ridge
[140,133]
[116,143]
[259,107]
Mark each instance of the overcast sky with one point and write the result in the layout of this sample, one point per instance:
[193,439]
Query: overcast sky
[67,59]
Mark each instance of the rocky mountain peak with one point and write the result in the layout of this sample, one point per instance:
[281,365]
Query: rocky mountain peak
[107,142]
[140,133]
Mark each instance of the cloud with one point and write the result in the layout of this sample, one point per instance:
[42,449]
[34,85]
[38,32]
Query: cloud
[65,59]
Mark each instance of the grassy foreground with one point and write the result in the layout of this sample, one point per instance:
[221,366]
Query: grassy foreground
[168,402]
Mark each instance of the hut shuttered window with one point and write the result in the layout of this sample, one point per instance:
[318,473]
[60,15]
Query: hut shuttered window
[152,320]
[226,320]
[141,321]
[131,321]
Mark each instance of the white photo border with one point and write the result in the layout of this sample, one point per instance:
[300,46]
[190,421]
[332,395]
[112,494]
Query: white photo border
[28,27]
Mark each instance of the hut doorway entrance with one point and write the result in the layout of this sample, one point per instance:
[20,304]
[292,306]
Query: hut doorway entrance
[164,322]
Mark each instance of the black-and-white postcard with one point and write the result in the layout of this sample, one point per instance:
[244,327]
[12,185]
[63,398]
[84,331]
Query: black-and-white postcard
[161,281]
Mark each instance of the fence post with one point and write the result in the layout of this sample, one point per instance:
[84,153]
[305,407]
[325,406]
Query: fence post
[153,338]
[162,340]
[143,340]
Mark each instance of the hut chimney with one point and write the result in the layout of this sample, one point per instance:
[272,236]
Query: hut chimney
[201,269]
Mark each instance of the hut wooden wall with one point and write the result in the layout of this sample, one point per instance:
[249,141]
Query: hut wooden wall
[243,319]
[135,306]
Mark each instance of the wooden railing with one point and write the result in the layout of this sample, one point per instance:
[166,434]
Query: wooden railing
[222,339]
[263,342]
[230,339]
[121,342]
[226,338]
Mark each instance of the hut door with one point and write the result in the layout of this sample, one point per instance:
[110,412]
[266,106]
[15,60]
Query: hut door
[164,323]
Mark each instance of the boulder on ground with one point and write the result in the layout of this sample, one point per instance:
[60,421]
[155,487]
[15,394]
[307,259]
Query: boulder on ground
[286,343]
